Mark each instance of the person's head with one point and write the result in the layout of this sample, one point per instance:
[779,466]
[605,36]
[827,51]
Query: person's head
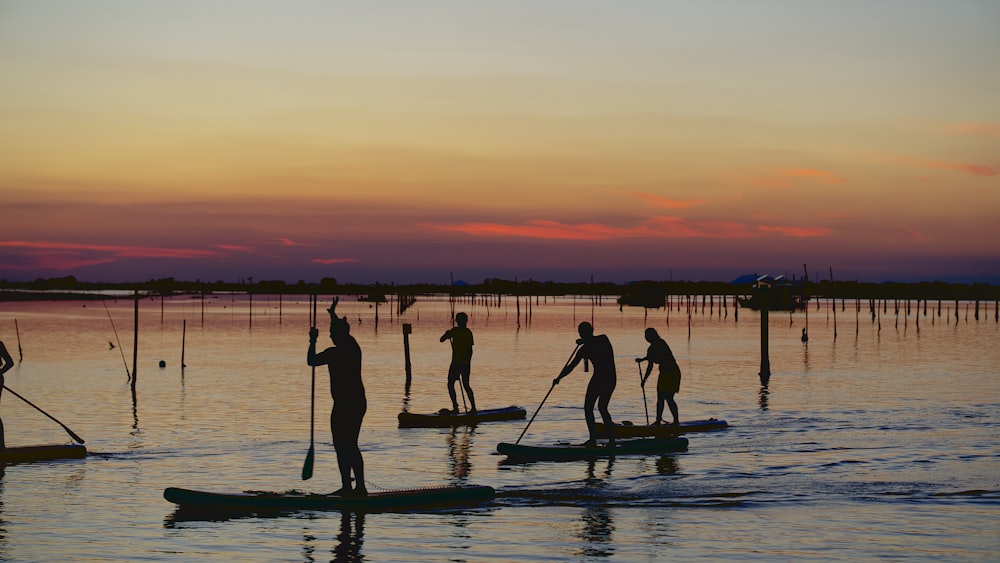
[652,335]
[586,330]
[461,319]
[339,328]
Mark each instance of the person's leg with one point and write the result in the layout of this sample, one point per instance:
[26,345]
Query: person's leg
[602,405]
[341,444]
[466,376]
[357,464]
[673,407]
[452,378]
[660,399]
[590,399]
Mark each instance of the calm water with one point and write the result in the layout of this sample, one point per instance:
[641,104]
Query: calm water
[876,444]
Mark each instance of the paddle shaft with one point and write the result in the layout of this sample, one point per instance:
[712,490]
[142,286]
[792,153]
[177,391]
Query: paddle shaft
[642,384]
[307,467]
[66,428]
[545,398]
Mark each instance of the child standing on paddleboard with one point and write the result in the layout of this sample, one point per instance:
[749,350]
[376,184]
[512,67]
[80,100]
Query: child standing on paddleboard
[669,381]
[461,360]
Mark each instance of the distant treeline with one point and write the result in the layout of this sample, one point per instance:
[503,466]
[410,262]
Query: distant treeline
[70,288]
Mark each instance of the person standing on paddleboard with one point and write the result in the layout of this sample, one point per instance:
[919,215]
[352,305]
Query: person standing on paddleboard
[343,360]
[6,362]
[669,381]
[597,349]
[461,360]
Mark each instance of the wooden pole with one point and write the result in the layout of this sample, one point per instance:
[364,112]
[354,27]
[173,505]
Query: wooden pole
[20,354]
[407,329]
[183,340]
[765,362]
[135,341]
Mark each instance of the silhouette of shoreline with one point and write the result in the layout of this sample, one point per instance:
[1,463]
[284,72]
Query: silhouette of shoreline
[69,288]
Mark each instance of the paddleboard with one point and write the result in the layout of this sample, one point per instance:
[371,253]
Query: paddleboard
[405,499]
[446,418]
[569,452]
[629,430]
[28,454]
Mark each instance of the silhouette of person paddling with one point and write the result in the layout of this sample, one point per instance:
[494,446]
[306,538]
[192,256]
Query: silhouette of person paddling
[668,381]
[597,349]
[461,360]
[343,360]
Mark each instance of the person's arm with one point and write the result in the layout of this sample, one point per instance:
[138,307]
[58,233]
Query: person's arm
[311,354]
[446,335]
[649,370]
[569,367]
[6,362]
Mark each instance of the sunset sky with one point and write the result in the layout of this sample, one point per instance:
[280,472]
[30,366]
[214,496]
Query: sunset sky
[407,141]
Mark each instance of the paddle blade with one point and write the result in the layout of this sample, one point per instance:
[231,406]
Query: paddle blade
[307,468]
[73,435]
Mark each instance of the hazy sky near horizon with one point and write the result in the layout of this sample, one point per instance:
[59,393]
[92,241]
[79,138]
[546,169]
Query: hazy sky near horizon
[408,140]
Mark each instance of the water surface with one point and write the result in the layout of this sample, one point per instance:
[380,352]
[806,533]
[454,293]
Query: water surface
[877,443]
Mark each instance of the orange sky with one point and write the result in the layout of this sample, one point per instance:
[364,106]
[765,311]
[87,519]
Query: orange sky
[404,141]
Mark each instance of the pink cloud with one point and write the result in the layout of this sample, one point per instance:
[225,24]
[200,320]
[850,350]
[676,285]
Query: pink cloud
[797,232]
[668,203]
[974,169]
[68,256]
[329,261]
[975,129]
[657,227]
[118,251]
[234,247]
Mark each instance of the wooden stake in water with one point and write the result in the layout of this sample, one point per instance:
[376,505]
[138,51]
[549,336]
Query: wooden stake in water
[407,329]
[183,340]
[20,354]
[135,341]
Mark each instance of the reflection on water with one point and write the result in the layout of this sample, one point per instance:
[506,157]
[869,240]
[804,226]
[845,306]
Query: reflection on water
[350,538]
[852,443]
[597,530]
[3,523]
[459,443]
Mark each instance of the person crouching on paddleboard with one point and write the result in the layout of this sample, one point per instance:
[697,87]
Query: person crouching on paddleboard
[669,380]
[461,360]
[343,360]
[597,349]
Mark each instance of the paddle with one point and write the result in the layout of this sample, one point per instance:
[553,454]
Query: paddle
[545,398]
[643,385]
[66,428]
[307,468]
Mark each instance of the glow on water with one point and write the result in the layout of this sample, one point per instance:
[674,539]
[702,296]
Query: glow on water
[879,443]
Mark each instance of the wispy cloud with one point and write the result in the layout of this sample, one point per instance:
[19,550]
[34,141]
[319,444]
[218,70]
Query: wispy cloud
[118,251]
[990,129]
[329,261]
[234,248]
[912,233]
[797,232]
[65,256]
[974,169]
[657,227]
[660,201]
